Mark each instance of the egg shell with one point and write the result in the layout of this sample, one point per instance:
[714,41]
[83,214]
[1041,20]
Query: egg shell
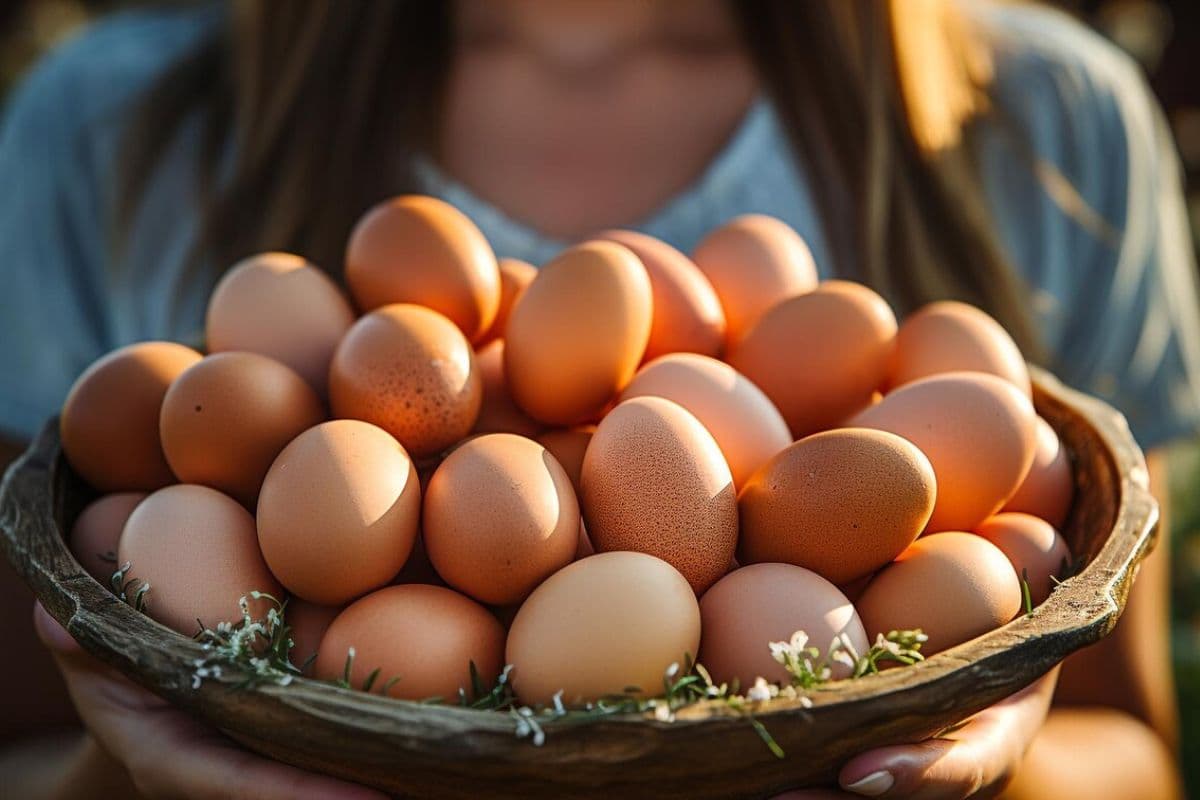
[1036,550]
[497,412]
[109,422]
[762,603]
[821,356]
[953,586]
[568,446]
[417,249]
[978,432]
[308,623]
[97,530]
[282,307]
[753,263]
[515,276]
[949,336]
[687,315]
[338,511]
[654,481]
[1049,487]
[841,503]
[577,333]
[408,370]
[225,419]
[633,616]
[426,636]
[747,427]
[500,516]
[197,550]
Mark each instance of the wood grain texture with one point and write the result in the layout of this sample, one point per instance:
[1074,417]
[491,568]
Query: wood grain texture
[415,750]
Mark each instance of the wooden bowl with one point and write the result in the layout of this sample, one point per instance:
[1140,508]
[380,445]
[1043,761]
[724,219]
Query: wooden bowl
[709,751]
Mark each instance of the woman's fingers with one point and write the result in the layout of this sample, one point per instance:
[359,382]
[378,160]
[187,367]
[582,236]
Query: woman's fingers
[168,753]
[976,760]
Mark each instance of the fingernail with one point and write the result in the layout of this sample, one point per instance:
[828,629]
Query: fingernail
[873,785]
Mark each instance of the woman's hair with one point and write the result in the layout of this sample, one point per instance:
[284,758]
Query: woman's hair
[322,100]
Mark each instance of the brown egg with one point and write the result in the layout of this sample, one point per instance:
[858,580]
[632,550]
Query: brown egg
[1036,550]
[338,511]
[227,416]
[410,371]
[953,586]
[949,336]
[978,432]
[500,515]
[601,625]
[577,334]
[197,550]
[415,249]
[821,356]
[747,427]
[426,637]
[568,446]
[754,262]
[109,423]
[308,622]
[498,413]
[654,481]
[97,529]
[280,306]
[841,503]
[687,315]
[751,607]
[1049,487]
[515,276]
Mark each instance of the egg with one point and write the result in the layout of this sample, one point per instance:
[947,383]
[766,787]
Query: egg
[568,446]
[949,336]
[109,422]
[227,416]
[308,623]
[338,511]
[500,515]
[577,333]
[1034,548]
[408,370]
[754,262]
[422,250]
[954,586]
[654,481]
[978,432]
[497,412]
[94,536]
[821,356]
[422,640]
[282,307]
[687,315]
[1049,487]
[841,503]
[515,276]
[753,606]
[744,423]
[596,627]
[197,550]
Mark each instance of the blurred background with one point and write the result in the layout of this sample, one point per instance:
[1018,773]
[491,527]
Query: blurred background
[1163,35]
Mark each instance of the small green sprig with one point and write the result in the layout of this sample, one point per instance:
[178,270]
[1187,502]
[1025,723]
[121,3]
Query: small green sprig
[809,670]
[131,591]
[257,648]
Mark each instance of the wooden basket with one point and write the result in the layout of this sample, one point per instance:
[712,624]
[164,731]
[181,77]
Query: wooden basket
[708,751]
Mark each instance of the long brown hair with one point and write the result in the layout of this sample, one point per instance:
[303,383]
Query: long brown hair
[323,100]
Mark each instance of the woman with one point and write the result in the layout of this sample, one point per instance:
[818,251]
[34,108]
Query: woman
[992,152]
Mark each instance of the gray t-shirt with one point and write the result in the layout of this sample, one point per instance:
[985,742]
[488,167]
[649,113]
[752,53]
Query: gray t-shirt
[1113,287]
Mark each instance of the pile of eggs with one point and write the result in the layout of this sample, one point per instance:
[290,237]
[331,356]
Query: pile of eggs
[586,471]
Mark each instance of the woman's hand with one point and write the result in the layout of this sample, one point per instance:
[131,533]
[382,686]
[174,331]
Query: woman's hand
[976,760]
[167,753]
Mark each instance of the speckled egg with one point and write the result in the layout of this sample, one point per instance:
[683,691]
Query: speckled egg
[654,481]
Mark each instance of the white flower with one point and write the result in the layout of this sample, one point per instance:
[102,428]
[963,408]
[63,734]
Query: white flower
[761,691]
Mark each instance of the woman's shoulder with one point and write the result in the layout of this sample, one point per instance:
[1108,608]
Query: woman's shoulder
[93,77]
